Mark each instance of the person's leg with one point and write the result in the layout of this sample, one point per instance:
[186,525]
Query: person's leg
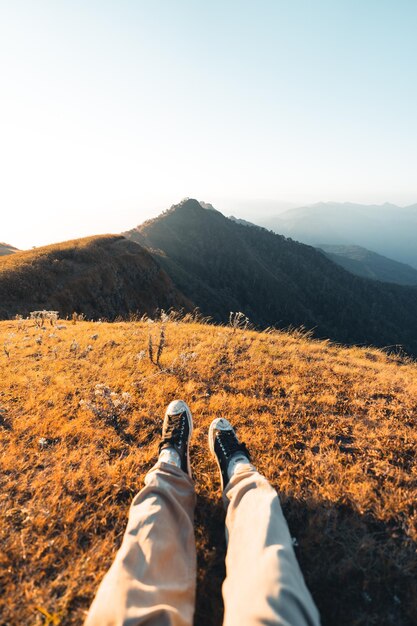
[264,584]
[152,579]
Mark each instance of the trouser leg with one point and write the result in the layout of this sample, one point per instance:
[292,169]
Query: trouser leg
[264,584]
[152,579]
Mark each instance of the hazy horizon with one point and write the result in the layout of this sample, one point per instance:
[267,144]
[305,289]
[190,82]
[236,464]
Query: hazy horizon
[243,209]
[112,112]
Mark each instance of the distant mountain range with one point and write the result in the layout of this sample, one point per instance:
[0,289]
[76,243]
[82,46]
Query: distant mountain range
[104,276]
[362,262]
[386,229]
[222,266]
[368,264]
[6,249]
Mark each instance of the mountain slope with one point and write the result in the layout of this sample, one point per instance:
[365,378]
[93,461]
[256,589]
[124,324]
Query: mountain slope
[223,266]
[387,229]
[368,264]
[238,220]
[98,276]
[5,249]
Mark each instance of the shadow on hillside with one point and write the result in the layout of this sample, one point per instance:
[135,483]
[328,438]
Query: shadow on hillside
[360,570]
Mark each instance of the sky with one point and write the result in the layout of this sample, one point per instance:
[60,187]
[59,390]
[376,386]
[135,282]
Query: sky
[112,111]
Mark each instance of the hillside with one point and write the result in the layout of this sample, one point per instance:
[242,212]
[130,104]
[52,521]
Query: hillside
[223,266]
[5,249]
[368,264]
[334,429]
[387,229]
[104,276]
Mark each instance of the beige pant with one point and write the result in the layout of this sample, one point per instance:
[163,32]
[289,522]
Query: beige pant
[152,579]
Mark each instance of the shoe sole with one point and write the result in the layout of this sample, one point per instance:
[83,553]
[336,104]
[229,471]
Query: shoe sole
[211,436]
[191,428]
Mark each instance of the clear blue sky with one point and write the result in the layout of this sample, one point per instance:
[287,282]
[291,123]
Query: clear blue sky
[111,111]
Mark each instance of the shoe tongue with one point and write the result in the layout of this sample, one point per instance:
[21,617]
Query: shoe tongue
[174,423]
[229,441]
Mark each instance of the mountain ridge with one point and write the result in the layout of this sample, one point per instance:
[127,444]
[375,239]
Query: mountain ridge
[224,266]
[369,264]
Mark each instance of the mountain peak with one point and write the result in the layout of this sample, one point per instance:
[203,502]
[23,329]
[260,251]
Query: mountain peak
[191,204]
[187,203]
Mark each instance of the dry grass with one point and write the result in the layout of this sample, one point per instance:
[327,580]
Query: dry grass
[333,429]
[19,259]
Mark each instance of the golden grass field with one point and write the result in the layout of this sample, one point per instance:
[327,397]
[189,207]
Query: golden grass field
[332,428]
[27,257]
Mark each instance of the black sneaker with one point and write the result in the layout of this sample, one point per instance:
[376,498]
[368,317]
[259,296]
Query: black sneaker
[224,444]
[176,432]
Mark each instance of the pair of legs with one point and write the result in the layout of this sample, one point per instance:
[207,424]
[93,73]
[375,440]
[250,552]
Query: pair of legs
[152,579]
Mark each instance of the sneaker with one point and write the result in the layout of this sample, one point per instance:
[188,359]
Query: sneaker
[224,445]
[176,432]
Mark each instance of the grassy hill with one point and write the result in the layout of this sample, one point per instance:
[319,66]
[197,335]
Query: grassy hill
[103,276]
[369,264]
[224,266]
[333,429]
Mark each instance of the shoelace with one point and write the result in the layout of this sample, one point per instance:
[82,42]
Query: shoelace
[229,443]
[175,430]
